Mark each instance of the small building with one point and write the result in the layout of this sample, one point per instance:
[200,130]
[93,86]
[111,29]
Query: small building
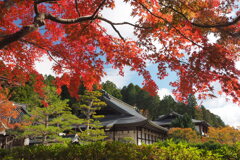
[166,120]
[121,121]
[8,141]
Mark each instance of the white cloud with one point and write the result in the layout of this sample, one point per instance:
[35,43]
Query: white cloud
[120,81]
[121,13]
[162,92]
[227,110]
[229,113]
[237,65]
[44,66]
[212,38]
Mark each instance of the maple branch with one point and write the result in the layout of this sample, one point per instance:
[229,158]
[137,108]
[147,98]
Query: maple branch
[122,23]
[18,35]
[220,25]
[76,6]
[48,52]
[217,25]
[38,22]
[48,1]
[40,18]
[68,21]
[115,29]
[177,30]
[86,18]
[99,7]
[107,34]
[93,15]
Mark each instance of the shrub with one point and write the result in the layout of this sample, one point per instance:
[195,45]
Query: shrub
[187,134]
[124,151]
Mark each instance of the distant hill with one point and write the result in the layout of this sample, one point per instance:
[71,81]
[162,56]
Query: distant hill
[152,106]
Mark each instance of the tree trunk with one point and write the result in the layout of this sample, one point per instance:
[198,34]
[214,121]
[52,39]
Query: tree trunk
[44,140]
[89,116]
[18,35]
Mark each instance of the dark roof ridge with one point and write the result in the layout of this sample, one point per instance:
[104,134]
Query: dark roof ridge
[132,107]
[156,125]
[123,106]
[169,114]
[175,113]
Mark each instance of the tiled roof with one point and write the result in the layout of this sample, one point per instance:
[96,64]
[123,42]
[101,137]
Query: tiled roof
[121,106]
[129,116]
[165,120]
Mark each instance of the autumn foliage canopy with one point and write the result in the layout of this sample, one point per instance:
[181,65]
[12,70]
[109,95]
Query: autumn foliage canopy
[170,34]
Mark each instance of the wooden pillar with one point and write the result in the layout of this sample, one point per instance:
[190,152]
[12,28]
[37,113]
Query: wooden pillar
[114,134]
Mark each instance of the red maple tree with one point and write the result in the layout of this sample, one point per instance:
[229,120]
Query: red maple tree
[7,111]
[70,33]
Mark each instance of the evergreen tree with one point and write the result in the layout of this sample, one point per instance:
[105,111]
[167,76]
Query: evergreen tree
[192,103]
[112,89]
[154,102]
[88,105]
[166,105]
[49,80]
[142,99]
[48,121]
[134,95]
[205,114]
[184,121]
[26,94]
[129,94]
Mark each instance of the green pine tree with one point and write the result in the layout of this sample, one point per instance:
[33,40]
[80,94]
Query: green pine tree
[184,121]
[112,89]
[129,94]
[47,122]
[25,94]
[88,105]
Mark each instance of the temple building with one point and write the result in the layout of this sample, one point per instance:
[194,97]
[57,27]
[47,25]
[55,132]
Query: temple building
[121,120]
[166,120]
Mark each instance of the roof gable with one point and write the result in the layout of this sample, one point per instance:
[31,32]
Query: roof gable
[127,116]
[169,116]
[120,106]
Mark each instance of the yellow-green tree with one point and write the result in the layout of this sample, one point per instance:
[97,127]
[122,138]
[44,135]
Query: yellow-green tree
[48,121]
[88,106]
[187,134]
[224,135]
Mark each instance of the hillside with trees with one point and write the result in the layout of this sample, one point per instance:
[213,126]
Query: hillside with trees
[152,106]
[148,105]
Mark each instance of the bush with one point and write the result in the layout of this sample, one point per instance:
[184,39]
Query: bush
[183,150]
[225,151]
[124,151]
[187,134]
